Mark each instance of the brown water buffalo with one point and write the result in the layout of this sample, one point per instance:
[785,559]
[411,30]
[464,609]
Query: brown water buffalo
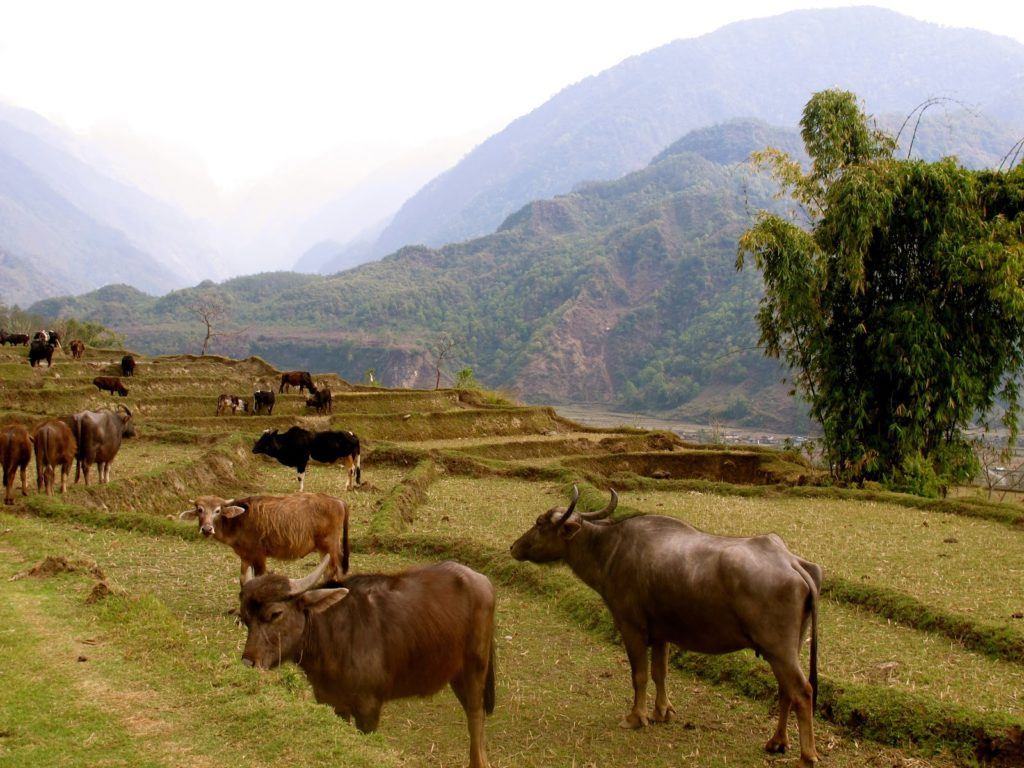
[14,339]
[15,454]
[372,638]
[300,379]
[77,347]
[667,582]
[282,527]
[111,384]
[55,447]
[99,435]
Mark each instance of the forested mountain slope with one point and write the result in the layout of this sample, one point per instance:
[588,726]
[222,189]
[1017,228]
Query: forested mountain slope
[616,121]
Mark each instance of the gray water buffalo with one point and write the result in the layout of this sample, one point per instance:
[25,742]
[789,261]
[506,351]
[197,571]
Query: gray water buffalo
[99,435]
[666,582]
[372,638]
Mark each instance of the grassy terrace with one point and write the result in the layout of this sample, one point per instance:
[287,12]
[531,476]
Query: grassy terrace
[922,658]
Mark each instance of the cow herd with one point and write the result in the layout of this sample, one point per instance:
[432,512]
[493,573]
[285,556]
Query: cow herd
[86,437]
[365,639]
[320,398]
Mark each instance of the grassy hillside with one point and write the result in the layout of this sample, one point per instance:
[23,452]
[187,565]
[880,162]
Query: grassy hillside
[921,657]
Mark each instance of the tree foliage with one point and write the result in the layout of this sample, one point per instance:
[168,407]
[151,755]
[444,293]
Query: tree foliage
[898,303]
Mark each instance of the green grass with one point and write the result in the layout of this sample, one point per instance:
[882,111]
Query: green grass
[919,647]
[560,690]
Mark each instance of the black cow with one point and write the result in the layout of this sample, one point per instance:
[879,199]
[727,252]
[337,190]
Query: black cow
[263,399]
[127,365]
[16,338]
[39,351]
[321,400]
[297,446]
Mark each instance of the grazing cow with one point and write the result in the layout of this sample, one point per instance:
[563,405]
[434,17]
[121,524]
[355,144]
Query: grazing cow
[300,379]
[282,527]
[39,351]
[321,400]
[15,454]
[55,447]
[77,348]
[110,384]
[17,338]
[99,435]
[372,638]
[263,399]
[297,446]
[666,582]
[231,403]
[127,365]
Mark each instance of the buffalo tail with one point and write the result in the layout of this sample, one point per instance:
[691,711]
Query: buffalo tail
[489,683]
[344,543]
[359,466]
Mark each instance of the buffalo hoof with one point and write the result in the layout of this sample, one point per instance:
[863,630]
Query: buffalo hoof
[776,746]
[633,720]
[808,762]
[666,715]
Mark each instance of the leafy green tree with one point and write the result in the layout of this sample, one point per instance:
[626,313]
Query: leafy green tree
[465,379]
[898,302]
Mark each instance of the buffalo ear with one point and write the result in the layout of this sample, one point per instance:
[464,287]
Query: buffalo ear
[570,528]
[233,511]
[189,514]
[319,600]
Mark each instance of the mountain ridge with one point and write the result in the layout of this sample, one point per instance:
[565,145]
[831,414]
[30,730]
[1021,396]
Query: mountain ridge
[614,122]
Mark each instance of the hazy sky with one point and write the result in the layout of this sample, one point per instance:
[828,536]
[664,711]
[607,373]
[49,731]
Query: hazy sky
[250,87]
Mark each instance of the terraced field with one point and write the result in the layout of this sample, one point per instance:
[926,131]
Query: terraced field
[922,640]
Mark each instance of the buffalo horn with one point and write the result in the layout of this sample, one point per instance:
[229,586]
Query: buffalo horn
[572,504]
[602,513]
[248,575]
[298,586]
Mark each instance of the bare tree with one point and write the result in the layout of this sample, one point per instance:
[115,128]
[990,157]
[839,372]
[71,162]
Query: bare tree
[1001,469]
[441,349]
[211,310]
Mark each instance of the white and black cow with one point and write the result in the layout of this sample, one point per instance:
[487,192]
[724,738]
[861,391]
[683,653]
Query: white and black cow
[297,446]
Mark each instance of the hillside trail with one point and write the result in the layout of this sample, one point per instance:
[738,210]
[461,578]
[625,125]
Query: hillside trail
[73,654]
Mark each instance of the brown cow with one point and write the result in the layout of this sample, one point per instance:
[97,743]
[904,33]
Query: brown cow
[77,347]
[666,582]
[372,638]
[110,384]
[300,379]
[55,446]
[15,454]
[282,527]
